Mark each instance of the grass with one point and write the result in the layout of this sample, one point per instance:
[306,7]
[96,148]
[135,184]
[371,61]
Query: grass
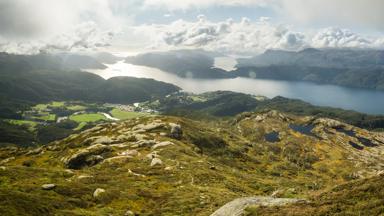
[76,107]
[80,126]
[31,124]
[50,117]
[41,106]
[57,104]
[52,104]
[87,117]
[117,113]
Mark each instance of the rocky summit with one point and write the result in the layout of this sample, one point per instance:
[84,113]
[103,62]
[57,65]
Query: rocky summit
[163,165]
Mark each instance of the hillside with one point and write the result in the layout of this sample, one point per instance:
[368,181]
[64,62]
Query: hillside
[183,63]
[223,104]
[345,67]
[163,165]
[360,197]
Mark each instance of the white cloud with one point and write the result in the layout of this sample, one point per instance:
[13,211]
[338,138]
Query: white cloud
[45,25]
[248,37]
[340,38]
[347,13]
[228,36]
[82,37]
[198,4]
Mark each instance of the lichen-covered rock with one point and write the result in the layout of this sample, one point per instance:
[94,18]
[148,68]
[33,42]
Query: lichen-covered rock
[98,192]
[48,186]
[331,123]
[176,131]
[87,157]
[131,153]
[162,144]
[156,161]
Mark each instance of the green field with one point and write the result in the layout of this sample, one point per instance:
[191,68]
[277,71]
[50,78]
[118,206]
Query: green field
[80,126]
[40,107]
[30,124]
[87,117]
[52,104]
[48,117]
[57,104]
[76,107]
[117,113]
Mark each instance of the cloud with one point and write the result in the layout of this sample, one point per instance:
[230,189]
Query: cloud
[244,36]
[82,37]
[45,25]
[248,37]
[340,38]
[347,13]
[199,4]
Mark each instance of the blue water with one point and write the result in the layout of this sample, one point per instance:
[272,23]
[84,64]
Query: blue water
[362,100]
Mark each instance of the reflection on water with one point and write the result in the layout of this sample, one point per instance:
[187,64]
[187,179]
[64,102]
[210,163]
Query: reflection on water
[368,101]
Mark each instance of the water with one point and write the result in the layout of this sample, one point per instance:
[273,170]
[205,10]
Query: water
[368,101]
[272,137]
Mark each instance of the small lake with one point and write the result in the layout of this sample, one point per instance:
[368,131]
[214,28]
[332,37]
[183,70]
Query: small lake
[367,101]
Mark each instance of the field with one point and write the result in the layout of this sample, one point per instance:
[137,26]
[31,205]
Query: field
[31,124]
[76,107]
[117,113]
[87,117]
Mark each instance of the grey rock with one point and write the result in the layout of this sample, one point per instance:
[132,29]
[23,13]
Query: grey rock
[98,192]
[176,131]
[237,206]
[87,157]
[48,186]
[156,161]
[162,144]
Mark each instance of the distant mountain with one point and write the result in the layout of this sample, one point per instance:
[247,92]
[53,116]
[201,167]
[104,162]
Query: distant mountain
[78,61]
[106,58]
[60,61]
[324,58]
[183,63]
[39,78]
[352,68]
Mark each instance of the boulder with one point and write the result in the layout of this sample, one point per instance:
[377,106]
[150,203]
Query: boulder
[98,192]
[331,123]
[87,157]
[162,144]
[176,131]
[131,153]
[156,161]
[48,186]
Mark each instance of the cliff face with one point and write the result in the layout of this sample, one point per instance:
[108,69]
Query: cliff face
[162,165]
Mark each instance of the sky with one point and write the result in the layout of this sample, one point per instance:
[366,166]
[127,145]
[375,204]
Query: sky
[227,26]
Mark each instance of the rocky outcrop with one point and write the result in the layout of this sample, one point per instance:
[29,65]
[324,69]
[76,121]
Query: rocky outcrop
[176,131]
[237,206]
[330,123]
[87,157]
